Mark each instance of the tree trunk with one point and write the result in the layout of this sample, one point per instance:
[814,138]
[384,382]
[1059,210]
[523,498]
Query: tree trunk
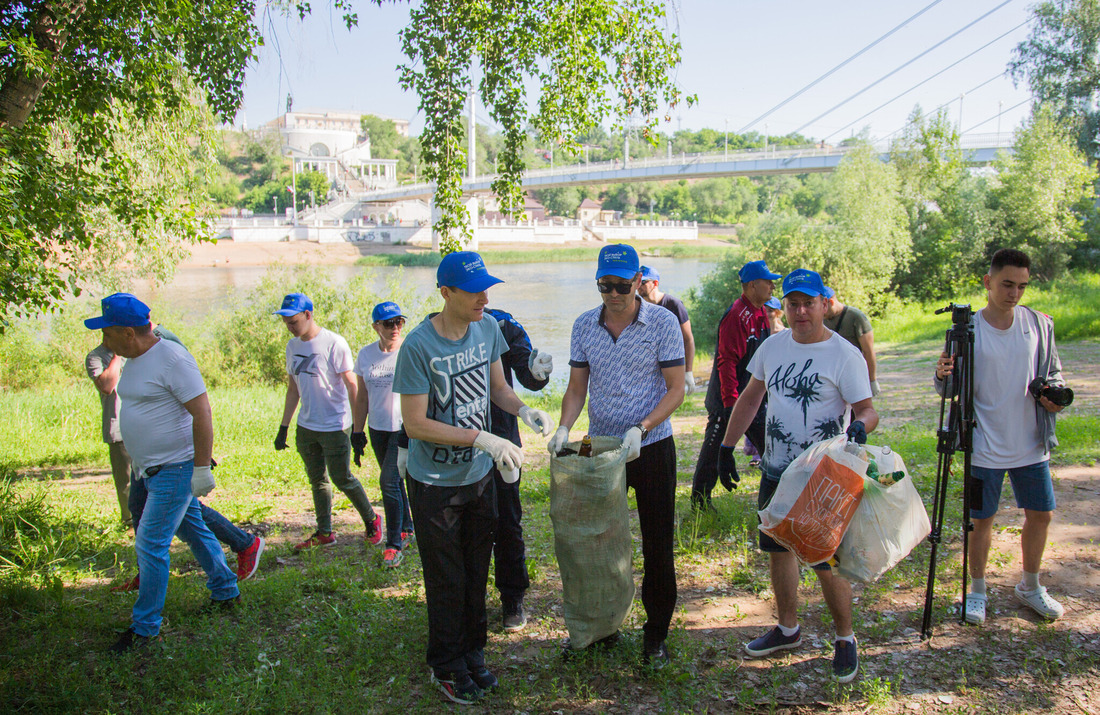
[22,89]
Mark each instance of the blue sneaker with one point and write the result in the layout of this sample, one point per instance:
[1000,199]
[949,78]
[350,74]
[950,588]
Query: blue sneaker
[458,687]
[845,661]
[772,641]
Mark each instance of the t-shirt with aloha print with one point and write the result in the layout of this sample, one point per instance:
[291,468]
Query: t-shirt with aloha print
[810,386]
[454,374]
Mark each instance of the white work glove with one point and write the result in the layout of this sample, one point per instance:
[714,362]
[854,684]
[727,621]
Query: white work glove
[506,455]
[540,364]
[874,388]
[510,476]
[202,481]
[538,420]
[632,443]
[689,383]
[557,442]
[402,462]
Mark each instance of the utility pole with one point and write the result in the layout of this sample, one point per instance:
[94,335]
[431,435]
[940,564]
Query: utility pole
[960,129]
[726,142]
[471,152]
[999,105]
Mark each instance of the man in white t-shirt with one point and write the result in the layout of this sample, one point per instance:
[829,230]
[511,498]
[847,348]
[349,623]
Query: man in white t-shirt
[377,408]
[320,367]
[1014,432]
[168,428]
[812,376]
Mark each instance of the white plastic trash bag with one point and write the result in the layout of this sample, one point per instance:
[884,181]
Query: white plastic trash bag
[888,525]
[817,497]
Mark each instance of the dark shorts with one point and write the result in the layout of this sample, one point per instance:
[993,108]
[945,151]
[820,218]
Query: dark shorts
[767,543]
[1032,486]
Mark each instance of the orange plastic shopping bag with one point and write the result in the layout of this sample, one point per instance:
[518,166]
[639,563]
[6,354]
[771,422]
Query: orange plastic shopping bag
[815,501]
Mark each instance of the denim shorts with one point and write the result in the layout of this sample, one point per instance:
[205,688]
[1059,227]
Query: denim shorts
[1032,485]
[767,543]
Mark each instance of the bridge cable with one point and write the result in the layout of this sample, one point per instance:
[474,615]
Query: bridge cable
[901,67]
[947,103]
[926,80]
[834,69]
[990,119]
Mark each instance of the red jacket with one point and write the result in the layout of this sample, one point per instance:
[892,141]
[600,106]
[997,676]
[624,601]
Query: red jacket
[739,332]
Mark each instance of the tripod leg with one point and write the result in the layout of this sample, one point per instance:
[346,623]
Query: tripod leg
[938,507]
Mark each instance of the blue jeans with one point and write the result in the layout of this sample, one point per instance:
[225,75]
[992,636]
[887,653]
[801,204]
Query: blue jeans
[224,530]
[395,499]
[170,509]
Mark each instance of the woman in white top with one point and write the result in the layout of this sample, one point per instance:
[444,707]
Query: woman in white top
[376,404]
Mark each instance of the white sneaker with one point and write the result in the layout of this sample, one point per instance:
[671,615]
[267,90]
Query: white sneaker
[1041,602]
[975,608]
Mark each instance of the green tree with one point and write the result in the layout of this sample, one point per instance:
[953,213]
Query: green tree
[1060,60]
[1045,194]
[561,201]
[590,58]
[948,219]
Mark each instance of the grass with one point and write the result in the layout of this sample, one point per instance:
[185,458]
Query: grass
[334,632]
[547,255]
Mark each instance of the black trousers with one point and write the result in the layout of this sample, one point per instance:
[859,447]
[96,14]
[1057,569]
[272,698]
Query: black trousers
[455,527]
[652,476]
[509,552]
[706,468]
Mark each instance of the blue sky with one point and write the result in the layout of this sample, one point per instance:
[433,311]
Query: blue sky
[741,57]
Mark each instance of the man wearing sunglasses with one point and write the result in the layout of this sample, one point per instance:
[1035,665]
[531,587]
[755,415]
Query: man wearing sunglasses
[627,356]
[376,408]
[448,371]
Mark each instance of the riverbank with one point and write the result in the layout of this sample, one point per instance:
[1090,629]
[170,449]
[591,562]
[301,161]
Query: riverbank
[230,253]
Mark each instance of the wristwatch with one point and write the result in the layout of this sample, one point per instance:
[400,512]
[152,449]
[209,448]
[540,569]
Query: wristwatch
[645,430]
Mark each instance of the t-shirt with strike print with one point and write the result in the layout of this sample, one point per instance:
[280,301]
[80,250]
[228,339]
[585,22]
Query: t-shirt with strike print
[455,376]
[810,386]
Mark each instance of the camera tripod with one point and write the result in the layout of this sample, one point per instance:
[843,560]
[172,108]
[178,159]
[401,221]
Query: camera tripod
[955,434]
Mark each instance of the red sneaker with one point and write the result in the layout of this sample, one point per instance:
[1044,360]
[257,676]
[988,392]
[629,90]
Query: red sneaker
[249,559]
[374,530]
[131,585]
[392,558]
[318,539]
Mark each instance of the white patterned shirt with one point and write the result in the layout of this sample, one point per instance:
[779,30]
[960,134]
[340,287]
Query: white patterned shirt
[625,381]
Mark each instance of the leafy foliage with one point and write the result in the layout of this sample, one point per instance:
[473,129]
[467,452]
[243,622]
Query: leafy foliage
[591,59]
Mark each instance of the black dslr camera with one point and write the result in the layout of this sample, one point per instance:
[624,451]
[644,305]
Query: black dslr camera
[1061,396]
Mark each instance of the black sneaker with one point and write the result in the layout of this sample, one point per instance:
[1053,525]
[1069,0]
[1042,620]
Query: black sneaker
[458,687]
[772,641]
[128,641]
[845,661]
[484,679]
[514,617]
[657,656]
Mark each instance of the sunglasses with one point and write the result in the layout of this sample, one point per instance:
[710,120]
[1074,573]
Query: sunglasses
[620,288]
[393,323]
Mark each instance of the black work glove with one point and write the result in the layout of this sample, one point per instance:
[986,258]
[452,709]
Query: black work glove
[727,468]
[358,445]
[857,432]
[280,439]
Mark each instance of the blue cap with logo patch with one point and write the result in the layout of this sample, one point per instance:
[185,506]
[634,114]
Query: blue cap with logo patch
[755,270]
[773,303]
[619,260]
[294,303]
[803,281]
[385,311]
[464,270]
[650,274]
[121,310]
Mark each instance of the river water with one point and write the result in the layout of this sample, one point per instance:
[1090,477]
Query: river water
[544,297]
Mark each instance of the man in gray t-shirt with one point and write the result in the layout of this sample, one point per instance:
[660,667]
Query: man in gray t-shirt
[853,325]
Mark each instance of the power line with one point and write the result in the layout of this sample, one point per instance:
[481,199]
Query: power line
[901,67]
[926,80]
[834,69]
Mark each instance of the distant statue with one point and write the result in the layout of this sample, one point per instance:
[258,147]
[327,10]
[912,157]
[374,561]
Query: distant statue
[289,102]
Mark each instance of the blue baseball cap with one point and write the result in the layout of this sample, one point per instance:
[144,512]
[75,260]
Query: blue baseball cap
[295,303]
[773,303]
[804,281]
[650,274]
[829,292]
[755,270]
[619,260]
[122,310]
[385,311]
[464,270]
